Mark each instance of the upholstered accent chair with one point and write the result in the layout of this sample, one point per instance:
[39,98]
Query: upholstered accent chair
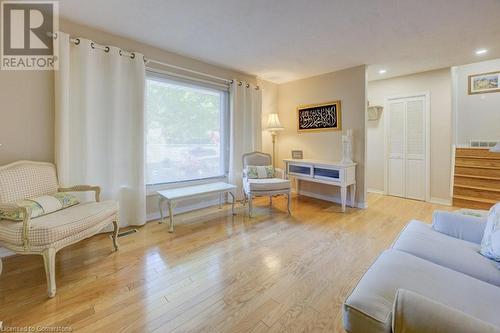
[264,186]
[47,234]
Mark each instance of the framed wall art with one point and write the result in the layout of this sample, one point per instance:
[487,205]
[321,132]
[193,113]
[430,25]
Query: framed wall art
[484,83]
[319,117]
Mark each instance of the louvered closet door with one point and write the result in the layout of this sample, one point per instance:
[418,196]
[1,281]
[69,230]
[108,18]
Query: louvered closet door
[396,162]
[406,148]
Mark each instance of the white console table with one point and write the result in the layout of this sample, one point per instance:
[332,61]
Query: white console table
[338,174]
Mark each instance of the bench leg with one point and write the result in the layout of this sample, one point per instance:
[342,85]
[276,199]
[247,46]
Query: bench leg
[232,202]
[49,260]
[115,235]
[171,214]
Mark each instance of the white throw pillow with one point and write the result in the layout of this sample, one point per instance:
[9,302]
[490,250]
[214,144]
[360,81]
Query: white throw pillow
[490,245]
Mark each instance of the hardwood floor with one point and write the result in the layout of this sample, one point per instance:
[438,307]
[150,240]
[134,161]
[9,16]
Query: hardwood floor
[216,273]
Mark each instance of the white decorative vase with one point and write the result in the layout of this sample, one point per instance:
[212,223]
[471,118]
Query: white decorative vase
[347,147]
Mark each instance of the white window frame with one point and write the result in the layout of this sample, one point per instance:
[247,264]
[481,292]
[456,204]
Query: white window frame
[224,125]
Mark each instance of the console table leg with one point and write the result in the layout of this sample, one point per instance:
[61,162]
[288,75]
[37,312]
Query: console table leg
[353,195]
[343,194]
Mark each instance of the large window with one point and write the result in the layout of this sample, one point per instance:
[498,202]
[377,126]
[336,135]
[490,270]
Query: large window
[186,130]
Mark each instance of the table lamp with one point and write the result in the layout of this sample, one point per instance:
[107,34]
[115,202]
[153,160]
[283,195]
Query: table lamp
[273,126]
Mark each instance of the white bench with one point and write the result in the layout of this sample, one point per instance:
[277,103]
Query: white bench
[188,192]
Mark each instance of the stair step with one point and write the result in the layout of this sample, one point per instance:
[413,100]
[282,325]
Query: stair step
[477,166]
[477,177]
[490,201]
[474,203]
[480,188]
[475,192]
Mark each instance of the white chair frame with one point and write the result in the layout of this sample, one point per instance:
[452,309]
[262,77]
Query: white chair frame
[265,159]
[49,251]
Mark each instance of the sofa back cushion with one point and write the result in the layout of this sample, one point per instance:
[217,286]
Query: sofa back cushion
[490,246]
[27,180]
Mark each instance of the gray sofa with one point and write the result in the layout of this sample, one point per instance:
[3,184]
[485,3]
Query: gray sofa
[432,279]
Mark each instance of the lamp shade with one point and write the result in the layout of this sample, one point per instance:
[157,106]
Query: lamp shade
[273,122]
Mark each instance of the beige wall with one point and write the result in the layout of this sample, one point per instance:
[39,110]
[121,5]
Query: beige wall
[348,86]
[27,98]
[269,105]
[438,83]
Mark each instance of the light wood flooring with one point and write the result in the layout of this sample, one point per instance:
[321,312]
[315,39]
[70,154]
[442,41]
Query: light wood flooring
[216,273]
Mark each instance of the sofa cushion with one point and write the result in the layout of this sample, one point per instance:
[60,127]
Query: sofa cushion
[50,228]
[414,313]
[259,171]
[421,240]
[492,231]
[267,184]
[369,307]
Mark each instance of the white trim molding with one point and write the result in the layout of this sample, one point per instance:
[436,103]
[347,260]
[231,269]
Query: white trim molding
[439,201]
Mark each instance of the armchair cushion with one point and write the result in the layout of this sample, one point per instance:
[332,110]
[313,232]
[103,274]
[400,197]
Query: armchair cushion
[458,225]
[41,206]
[54,227]
[266,184]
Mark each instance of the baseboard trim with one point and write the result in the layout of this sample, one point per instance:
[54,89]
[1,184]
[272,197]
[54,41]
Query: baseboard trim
[439,201]
[362,205]
[372,190]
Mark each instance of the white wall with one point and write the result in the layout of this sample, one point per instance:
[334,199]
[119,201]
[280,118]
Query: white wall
[348,86]
[477,117]
[438,83]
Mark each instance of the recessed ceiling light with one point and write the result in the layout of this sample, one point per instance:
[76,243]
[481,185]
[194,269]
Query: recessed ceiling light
[382,71]
[481,51]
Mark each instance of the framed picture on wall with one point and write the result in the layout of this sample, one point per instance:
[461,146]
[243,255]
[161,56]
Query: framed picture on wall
[484,83]
[297,154]
[319,117]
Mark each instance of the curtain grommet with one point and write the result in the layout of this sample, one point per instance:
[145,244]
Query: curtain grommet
[132,55]
[92,45]
[120,52]
[107,49]
[77,41]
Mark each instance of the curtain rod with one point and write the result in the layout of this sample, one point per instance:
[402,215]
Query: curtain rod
[94,45]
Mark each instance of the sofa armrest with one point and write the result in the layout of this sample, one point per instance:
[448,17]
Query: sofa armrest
[26,213]
[414,313]
[279,173]
[469,228]
[83,188]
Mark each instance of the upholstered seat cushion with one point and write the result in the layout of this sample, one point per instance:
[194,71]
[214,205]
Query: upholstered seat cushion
[419,239]
[266,184]
[53,227]
[369,307]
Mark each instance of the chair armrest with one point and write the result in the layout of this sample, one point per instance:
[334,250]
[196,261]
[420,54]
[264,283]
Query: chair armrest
[83,188]
[279,173]
[26,213]
[469,228]
[414,313]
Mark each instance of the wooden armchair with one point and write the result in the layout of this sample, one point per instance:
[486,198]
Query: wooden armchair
[47,234]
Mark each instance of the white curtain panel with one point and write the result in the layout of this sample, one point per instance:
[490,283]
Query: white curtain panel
[100,124]
[246,128]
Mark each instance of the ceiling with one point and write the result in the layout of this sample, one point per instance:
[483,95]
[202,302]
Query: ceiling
[284,40]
